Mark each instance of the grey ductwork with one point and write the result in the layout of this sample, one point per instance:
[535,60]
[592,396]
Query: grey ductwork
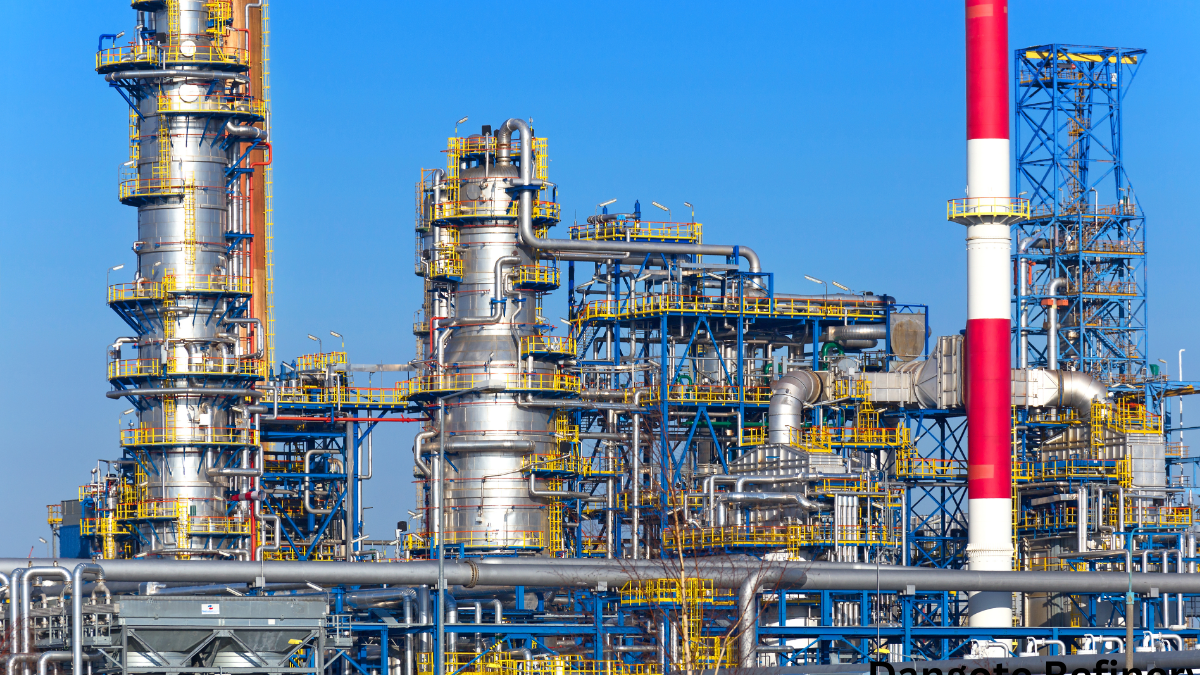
[790,395]
[245,132]
[528,186]
[774,498]
[855,336]
[1078,390]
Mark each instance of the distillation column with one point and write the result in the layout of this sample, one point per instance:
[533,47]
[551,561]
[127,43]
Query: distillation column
[198,351]
[482,303]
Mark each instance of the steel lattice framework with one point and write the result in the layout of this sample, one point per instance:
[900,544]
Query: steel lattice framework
[1086,226]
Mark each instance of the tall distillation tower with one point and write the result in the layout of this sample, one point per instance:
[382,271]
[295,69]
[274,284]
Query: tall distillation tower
[198,348]
[481,341]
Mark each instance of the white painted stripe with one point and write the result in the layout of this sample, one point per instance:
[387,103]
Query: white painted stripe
[988,168]
[989,272]
[990,530]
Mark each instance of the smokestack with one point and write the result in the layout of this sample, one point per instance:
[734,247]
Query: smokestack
[987,212]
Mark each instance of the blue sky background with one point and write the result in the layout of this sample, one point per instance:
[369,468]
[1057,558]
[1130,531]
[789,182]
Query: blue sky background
[825,135]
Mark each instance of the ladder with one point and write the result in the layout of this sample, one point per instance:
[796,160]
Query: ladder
[189,228]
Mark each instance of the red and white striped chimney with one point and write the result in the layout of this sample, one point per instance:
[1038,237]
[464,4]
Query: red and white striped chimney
[989,462]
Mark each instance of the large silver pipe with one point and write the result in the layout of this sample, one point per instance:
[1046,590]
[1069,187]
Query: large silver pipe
[748,620]
[636,471]
[417,460]
[258,333]
[1058,284]
[14,610]
[258,551]
[1078,390]
[498,298]
[29,575]
[77,575]
[306,488]
[529,238]
[185,391]
[791,394]
[176,72]
[43,662]
[535,493]
[245,131]
[468,445]
[780,498]
[348,502]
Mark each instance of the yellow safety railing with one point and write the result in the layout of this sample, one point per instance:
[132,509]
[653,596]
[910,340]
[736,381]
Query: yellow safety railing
[535,276]
[548,344]
[135,187]
[693,393]
[754,435]
[177,102]
[217,366]
[637,231]
[134,368]
[142,290]
[498,663]
[1177,450]
[54,514]
[102,527]
[1067,469]
[205,525]
[364,396]
[909,464]
[671,591]
[493,208]
[185,52]
[188,436]
[517,381]
[851,388]
[531,539]
[207,283]
[987,206]
[447,264]
[655,305]
[320,361]
[891,437]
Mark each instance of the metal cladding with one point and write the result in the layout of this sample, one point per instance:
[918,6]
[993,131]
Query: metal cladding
[483,308]
[197,350]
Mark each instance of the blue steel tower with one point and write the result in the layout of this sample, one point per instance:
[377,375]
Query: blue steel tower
[1080,260]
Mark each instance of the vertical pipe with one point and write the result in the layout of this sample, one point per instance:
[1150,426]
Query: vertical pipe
[748,621]
[1056,286]
[351,489]
[408,639]
[636,472]
[988,287]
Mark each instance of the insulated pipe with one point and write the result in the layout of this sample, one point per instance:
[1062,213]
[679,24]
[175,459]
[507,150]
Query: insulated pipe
[1057,285]
[989,463]
[779,498]
[43,662]
[530,402]
[349,501]
[306,490]
[176,72]
[29,575]
[436,178]
[258,551]
[466,446]
[76,653]
[861,331]
[748,620]
[498,301]
[14,659]
[636,471]
[185,391]
[245,132]
[1078,390]
[420,463]
[14,610]
[528,186]
[535,493]
[258,329]
[791,394]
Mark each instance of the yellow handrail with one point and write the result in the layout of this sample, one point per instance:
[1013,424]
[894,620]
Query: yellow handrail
[188,436]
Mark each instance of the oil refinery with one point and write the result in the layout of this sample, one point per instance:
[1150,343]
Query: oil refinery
[699,470]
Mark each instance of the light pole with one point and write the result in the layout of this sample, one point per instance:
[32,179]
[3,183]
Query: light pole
[320,345]
[1179,374]
[464,119]
[112,269]
[840,286]
[602,205]
[663,208]
[339,336]
[43,540]
[818,281]
[693,208]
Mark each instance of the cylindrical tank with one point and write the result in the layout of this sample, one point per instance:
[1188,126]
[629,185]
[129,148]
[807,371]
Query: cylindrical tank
[191,285]
[487,499]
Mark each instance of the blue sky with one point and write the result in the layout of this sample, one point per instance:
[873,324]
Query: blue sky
[825,135]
